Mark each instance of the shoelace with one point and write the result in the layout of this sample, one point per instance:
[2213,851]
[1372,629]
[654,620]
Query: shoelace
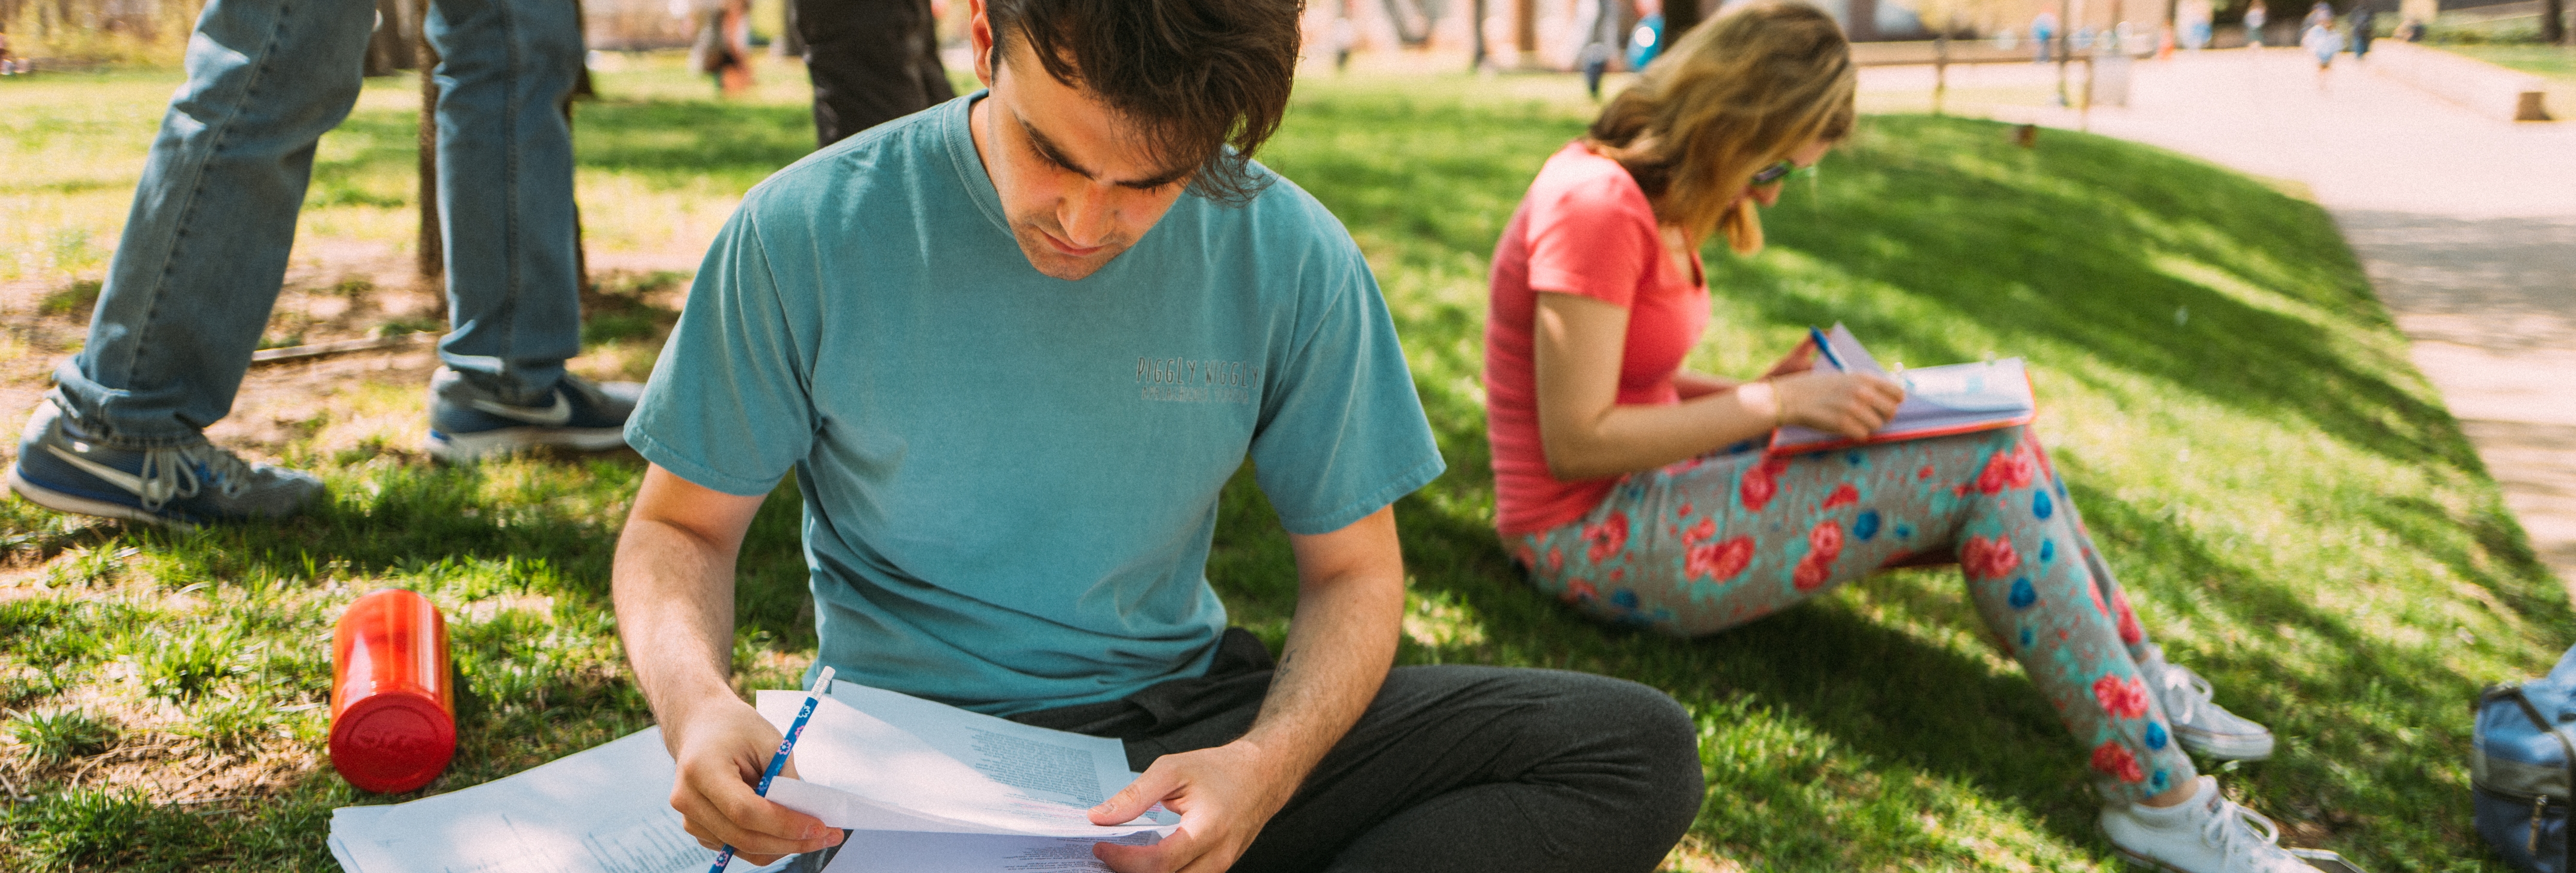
[2236,831]
[174,472]
[2199,689]
[2173,678]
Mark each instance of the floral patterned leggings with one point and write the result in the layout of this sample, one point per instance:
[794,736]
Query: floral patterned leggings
[1710,543]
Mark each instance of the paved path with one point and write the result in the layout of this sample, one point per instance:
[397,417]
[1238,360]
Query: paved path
[2466,225]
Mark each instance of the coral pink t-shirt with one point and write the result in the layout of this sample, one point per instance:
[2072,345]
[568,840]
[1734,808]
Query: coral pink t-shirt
[1584,228]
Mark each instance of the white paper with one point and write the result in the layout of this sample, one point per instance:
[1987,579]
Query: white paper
[1855,357]
[605,810]
[931,785]
[872,852]
[1936,398]
[879,760]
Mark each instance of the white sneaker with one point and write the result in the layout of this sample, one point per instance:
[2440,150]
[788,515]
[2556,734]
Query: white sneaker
[2206,834]
[2201,724]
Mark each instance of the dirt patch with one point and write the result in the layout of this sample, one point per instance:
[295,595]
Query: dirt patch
[335,290]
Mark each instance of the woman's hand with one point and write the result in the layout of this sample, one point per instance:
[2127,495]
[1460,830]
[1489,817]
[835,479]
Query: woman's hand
[1798,360]
[1850,404]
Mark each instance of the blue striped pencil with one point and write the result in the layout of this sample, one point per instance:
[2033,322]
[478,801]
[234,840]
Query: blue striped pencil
[778,762]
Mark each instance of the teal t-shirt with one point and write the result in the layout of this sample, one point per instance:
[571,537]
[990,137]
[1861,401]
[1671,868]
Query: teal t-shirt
[1011,480]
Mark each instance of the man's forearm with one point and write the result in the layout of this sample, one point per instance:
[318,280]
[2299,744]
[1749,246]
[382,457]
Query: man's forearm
[674,598]
[1340,644]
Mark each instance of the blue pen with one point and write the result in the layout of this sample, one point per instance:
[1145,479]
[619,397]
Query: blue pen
[1827,347]
[778,762]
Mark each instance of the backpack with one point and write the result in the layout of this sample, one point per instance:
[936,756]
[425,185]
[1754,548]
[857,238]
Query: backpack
[2522,765]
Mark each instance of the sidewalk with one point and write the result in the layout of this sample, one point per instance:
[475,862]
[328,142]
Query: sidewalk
[2466,225]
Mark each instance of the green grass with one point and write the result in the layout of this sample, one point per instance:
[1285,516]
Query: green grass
[60,736]
[2556,62]
[2294,513]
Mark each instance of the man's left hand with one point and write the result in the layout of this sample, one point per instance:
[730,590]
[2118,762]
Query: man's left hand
[1224,795]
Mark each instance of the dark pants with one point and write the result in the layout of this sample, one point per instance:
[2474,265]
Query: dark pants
[872,61]
[1452,768]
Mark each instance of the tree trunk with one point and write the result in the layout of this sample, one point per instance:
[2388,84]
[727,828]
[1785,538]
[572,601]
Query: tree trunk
[2553,21]
[1476,37]
[1525,27]
[791,36]
[389,49]
[432,248]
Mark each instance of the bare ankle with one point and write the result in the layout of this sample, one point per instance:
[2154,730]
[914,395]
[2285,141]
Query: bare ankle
[2172,797]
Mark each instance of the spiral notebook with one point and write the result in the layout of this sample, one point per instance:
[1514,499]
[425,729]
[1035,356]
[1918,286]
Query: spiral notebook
[1939,401]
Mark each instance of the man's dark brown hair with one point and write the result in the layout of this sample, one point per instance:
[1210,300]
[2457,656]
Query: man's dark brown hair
[1195,75]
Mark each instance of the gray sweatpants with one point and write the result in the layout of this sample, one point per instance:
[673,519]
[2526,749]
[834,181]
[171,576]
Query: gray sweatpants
[1452,768]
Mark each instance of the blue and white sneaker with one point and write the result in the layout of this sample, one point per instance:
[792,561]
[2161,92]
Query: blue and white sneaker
[183,486]
[466,422]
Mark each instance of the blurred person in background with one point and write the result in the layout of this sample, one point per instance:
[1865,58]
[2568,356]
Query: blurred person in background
[205,248]
[872,61]
[2043,32]
[1346,37]
[2254,18]
[2364,22]
[1647,40]
[1600,31]
[723,46]
[2322,42]
[2195,15]
[1638,492]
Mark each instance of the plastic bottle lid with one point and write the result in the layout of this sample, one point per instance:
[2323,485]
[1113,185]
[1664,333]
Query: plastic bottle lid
[392,743]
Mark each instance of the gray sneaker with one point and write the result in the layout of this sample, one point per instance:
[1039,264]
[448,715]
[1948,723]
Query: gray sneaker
[181,486]
[466,422]
[2200,723]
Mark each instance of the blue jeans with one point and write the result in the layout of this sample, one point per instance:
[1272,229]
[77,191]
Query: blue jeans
[205,247]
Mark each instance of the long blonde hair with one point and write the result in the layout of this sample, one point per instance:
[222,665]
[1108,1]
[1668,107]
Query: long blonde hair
[1734,95]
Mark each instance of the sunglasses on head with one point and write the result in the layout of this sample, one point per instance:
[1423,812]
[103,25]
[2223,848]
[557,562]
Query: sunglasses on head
[1781,170]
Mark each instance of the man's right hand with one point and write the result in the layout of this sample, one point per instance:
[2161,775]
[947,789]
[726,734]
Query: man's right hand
[722,746]
[673,584]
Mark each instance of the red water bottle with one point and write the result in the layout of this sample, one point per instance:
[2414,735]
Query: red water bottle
[393,714]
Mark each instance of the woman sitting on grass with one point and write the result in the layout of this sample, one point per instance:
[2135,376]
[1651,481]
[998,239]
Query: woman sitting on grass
[1633,489]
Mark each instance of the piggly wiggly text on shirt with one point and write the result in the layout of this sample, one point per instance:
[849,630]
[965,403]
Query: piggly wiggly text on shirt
[1196,380]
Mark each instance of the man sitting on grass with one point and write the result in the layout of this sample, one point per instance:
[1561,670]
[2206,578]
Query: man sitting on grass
[1013,347]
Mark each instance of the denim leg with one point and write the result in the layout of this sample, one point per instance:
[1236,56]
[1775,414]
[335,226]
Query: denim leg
[205,246]
[505,189]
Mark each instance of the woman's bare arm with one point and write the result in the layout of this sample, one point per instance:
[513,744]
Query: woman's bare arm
[1578,342]
[1693,384]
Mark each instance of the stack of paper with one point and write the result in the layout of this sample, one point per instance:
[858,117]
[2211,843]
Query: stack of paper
[881,761]
[606,810]
[1939,401]
[927,788]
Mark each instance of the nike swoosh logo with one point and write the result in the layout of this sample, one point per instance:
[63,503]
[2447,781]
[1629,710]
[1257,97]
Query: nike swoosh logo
[555,416]
[114,476]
